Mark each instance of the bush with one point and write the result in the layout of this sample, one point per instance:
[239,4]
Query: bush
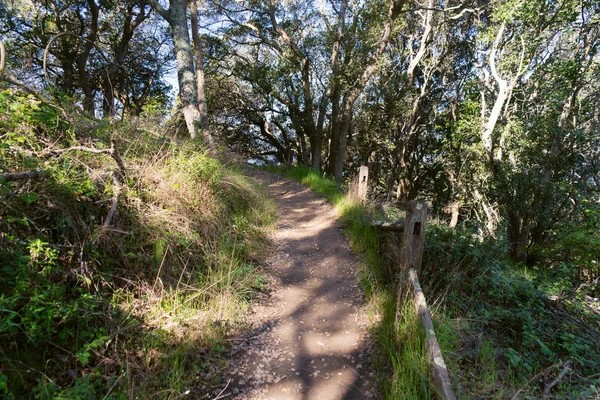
[506,304]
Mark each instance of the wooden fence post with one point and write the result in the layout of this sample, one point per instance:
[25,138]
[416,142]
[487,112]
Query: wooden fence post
[363,181]
[413,239]
[411,252]
[411,255]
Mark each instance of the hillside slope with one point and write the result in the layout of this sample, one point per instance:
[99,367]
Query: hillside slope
[126,256]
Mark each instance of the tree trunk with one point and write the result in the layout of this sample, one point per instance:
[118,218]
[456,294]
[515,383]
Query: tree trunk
[316,145]
[342,141]
[82,59]
[188,92]
[334,144]
[302,151]
[108,92]
[454,209]
[518,235]
[176,16]
[336,85]
[205,127]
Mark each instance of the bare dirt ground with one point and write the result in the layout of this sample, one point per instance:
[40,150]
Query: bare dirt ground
[309,338]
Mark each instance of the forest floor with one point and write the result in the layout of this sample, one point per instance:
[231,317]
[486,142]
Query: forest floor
[308,337]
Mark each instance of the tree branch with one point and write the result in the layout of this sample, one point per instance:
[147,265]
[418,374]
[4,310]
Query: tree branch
[498,78]
[15,176]
[166,14]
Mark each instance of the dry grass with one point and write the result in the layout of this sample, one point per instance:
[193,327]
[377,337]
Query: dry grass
[157,292]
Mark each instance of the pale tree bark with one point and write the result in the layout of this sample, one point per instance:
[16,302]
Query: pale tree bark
[454,210]
[505,88]
[490,140]
[427,28]
[176,16]
[200,83]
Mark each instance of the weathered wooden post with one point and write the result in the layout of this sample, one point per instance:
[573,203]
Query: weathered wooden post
[411,252]
[411,255]
[363,181]
[413,239]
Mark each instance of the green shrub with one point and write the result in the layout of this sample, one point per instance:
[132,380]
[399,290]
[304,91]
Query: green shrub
[508,305]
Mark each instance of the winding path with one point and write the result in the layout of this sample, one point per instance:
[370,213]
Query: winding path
[309,338]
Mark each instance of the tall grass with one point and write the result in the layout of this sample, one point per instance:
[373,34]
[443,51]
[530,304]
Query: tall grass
[140,308]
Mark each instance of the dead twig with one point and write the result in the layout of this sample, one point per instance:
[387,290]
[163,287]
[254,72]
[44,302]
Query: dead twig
[115,200]
[537,376]
[548,388]
[15,176]
[113,385]
[112,151]
[220,395]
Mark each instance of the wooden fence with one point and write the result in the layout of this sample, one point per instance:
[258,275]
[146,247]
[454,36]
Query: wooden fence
[411,255]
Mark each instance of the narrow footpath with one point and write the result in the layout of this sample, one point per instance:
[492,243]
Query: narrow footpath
[309,338]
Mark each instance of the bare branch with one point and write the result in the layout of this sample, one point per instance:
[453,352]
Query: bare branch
[160,9]
[2,55]
[112,151]
[115,200]
[424,39]
[498,78]
[16,176]
[548,388]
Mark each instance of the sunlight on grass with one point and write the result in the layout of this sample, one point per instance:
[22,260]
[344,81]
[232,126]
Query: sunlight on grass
[141,307]
[400,360]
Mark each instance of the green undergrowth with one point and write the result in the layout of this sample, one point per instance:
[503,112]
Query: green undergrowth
[400,359]
[138,306]
[506,330]
[514,336]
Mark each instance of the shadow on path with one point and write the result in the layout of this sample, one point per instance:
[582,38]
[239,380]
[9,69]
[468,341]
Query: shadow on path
[309,339]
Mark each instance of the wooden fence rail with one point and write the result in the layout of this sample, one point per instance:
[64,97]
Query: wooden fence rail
[411,255]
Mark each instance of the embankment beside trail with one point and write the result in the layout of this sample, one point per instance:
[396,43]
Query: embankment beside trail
[126,264]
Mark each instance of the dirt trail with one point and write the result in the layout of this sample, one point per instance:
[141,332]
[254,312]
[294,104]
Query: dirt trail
[309,338]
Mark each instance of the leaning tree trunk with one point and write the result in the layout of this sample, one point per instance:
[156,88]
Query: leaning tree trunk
[205,127]
[176,16]
[185,67]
